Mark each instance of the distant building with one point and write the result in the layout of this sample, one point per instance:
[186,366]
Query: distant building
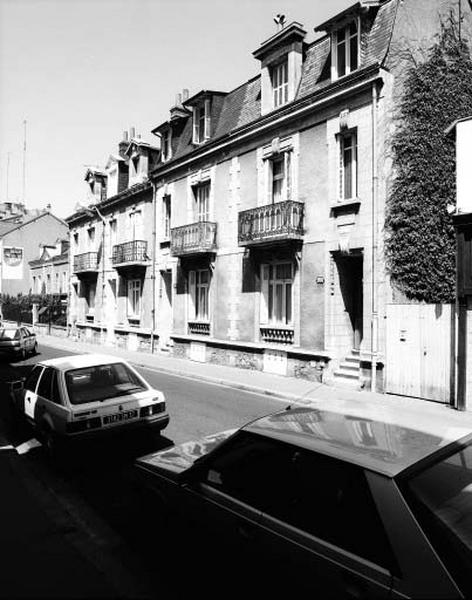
[17,212]
[49,273]
[19,244]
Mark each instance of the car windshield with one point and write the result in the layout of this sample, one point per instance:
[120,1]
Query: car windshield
[9,334]
[441,498]
[101,382]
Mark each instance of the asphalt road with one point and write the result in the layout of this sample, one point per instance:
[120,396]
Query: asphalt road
[98,491]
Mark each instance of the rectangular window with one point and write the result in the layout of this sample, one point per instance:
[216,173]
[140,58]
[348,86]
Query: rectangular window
[166,215]
[113,233]
[76,241]
[136,225]
[347,49]
[64,282]
[166,145]
[91,237]
[280,83]
[48,284]
[201,122]
[348,166]
[134,298]
[280,168]
[199,292]
[58,289]
[90,297]
[202,202]
[34,285]
[277,290]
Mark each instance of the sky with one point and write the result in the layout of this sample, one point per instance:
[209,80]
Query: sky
[80,72]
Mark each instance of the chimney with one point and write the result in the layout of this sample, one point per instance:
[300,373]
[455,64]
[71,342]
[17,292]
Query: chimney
[178,99]
[184,94]
[132,132]
[123,144]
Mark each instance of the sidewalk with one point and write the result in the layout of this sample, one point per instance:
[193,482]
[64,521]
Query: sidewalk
[289,389]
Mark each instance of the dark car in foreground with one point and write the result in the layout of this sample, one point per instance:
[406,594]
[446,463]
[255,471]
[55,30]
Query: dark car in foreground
[342,499]
[17,342]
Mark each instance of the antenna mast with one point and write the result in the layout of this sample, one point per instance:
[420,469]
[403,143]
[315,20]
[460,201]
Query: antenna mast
[24,164]
[8,171]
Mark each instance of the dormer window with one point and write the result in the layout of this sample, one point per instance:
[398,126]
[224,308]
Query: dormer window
[201,122]
[279,76]
[166,145]
[346,49]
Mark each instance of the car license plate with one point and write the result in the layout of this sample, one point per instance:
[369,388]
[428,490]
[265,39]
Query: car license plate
[122,416]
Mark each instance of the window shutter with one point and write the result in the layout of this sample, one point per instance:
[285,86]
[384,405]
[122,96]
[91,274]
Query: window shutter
[191,294]
[264,303]
[130,299]
[206,133]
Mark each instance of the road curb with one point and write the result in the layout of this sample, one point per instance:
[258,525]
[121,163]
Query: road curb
[290,398]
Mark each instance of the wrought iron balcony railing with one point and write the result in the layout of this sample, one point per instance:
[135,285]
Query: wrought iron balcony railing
[130,253]
[271,223]
[199,328]
[195,238]
[86,262]
[277,335]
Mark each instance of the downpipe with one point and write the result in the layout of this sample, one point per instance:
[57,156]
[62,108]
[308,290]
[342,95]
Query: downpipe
[374,314]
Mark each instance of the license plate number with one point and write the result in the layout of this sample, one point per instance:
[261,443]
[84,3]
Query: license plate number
[122,416]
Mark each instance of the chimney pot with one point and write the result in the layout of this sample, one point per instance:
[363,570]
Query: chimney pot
[125,136]
[178,99]
[132,132]
[185,94]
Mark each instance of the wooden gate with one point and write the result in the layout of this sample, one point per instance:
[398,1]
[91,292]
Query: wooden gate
[419,344]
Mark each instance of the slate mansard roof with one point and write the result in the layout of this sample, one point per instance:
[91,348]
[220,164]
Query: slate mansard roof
[242,106]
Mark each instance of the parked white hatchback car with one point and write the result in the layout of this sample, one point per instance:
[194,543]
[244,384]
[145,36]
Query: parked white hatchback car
[87,395]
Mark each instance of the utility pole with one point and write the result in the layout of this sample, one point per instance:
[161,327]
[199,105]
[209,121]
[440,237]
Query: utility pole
[24,164]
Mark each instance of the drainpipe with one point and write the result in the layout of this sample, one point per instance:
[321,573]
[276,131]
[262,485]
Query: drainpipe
[103,271]
[374,315]
[154,215]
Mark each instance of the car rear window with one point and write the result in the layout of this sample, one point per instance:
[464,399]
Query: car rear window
[10,334]
[102,382]
[441,499]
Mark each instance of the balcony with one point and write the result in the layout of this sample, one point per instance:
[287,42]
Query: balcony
[130,254]
[86,263]
[272,223]
[196,238]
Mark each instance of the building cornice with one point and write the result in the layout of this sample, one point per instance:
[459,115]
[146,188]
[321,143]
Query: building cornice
[348,85]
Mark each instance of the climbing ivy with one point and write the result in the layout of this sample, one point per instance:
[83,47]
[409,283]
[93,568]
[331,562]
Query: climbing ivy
[420,239]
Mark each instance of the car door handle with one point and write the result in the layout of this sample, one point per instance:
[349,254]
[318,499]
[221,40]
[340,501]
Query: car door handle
[246,532]
[353,587]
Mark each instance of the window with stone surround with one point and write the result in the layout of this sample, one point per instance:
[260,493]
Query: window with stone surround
[199,295]
[201,195]
[166,216]
[345,49]
[166,151]
[347,144]
[277,294]
[201,122]
[134,298]
[280,176]
[279,78]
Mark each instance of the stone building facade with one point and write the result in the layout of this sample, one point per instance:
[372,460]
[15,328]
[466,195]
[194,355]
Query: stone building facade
[266,204]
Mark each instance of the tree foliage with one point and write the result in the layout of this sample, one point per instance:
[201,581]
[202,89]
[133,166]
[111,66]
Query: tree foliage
[420,239]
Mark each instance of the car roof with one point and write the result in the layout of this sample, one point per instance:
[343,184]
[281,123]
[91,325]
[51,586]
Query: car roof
[382,436]
[78,361]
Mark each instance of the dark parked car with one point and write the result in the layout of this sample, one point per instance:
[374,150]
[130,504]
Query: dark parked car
[17,342]
[344,500]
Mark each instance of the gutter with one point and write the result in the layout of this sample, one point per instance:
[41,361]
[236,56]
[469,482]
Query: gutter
[292,111]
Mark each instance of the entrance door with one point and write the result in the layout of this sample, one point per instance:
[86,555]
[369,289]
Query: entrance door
[350,269]
[165,308]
